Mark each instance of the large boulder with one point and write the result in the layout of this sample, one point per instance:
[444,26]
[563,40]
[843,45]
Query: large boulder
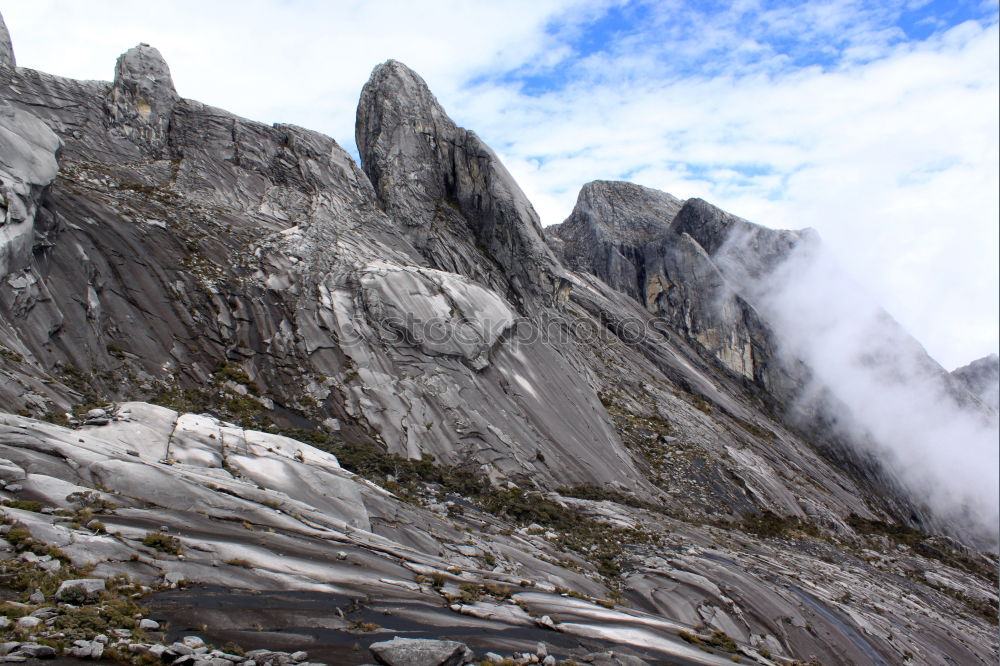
[420,652]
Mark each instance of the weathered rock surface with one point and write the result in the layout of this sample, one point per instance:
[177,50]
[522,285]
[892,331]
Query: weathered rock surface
[6,50]
[982,378]
[163,249]
[142,99]
[420,652]
[449,192]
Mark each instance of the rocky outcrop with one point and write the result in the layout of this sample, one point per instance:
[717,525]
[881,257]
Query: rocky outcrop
[982,378]
[28,153]
[609,228]
[420,652]
[142,99]
[7,60]
[449,192]
[177,500]
[662,252]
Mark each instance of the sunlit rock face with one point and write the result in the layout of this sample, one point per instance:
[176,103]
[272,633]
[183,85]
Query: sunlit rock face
[596,413]
[448,191]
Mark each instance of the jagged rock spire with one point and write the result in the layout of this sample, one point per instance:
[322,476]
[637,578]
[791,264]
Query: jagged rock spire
[143,97]
[6,50]
[430,174]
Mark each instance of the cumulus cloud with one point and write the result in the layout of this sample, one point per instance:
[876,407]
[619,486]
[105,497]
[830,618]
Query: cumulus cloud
[875,123]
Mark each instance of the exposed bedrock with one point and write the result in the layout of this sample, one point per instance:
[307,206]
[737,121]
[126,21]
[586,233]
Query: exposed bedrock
[609,396]
[449,192]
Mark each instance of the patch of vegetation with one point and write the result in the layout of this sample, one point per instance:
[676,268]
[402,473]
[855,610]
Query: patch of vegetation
[244,410]
[923,544]
[115,350]
[10,354]
[24,505]
[363,626]
[20,537]
[756,430]
[227,371]
[985,608]
[769,525]
[701,404]
[719,640]
[597,542]
[163,543]
[590,491]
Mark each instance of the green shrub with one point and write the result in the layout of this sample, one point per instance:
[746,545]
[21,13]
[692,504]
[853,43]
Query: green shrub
[163,543]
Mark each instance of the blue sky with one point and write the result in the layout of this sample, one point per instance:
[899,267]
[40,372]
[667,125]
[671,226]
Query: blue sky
[875,123]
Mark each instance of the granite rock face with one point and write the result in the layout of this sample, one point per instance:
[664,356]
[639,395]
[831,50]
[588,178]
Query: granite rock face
[142,98]
[982,377]
[7,60]
[662,252]
[449,192]
[608,398]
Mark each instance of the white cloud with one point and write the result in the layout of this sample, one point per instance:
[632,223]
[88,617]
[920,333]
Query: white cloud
[889,148]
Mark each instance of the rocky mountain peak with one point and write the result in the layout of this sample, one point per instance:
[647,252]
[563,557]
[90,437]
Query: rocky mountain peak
[707,224]
[622,212]
[440,182]
[143,97]
[6,50]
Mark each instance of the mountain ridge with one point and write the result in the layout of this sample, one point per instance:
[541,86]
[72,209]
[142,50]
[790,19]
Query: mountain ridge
[425,332]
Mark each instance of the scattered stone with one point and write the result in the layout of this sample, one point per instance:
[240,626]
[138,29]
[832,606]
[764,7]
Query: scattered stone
[28,622]
[611,658]
[73,589]
[148,625]
[52,566]
[180,649]
[37,651]
[37,597]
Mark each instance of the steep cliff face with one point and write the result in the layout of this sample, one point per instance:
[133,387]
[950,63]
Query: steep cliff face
[598,411]
[448,191]
[670,257]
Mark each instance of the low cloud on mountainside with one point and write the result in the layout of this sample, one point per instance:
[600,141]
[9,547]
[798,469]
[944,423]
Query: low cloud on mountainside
[888,394]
